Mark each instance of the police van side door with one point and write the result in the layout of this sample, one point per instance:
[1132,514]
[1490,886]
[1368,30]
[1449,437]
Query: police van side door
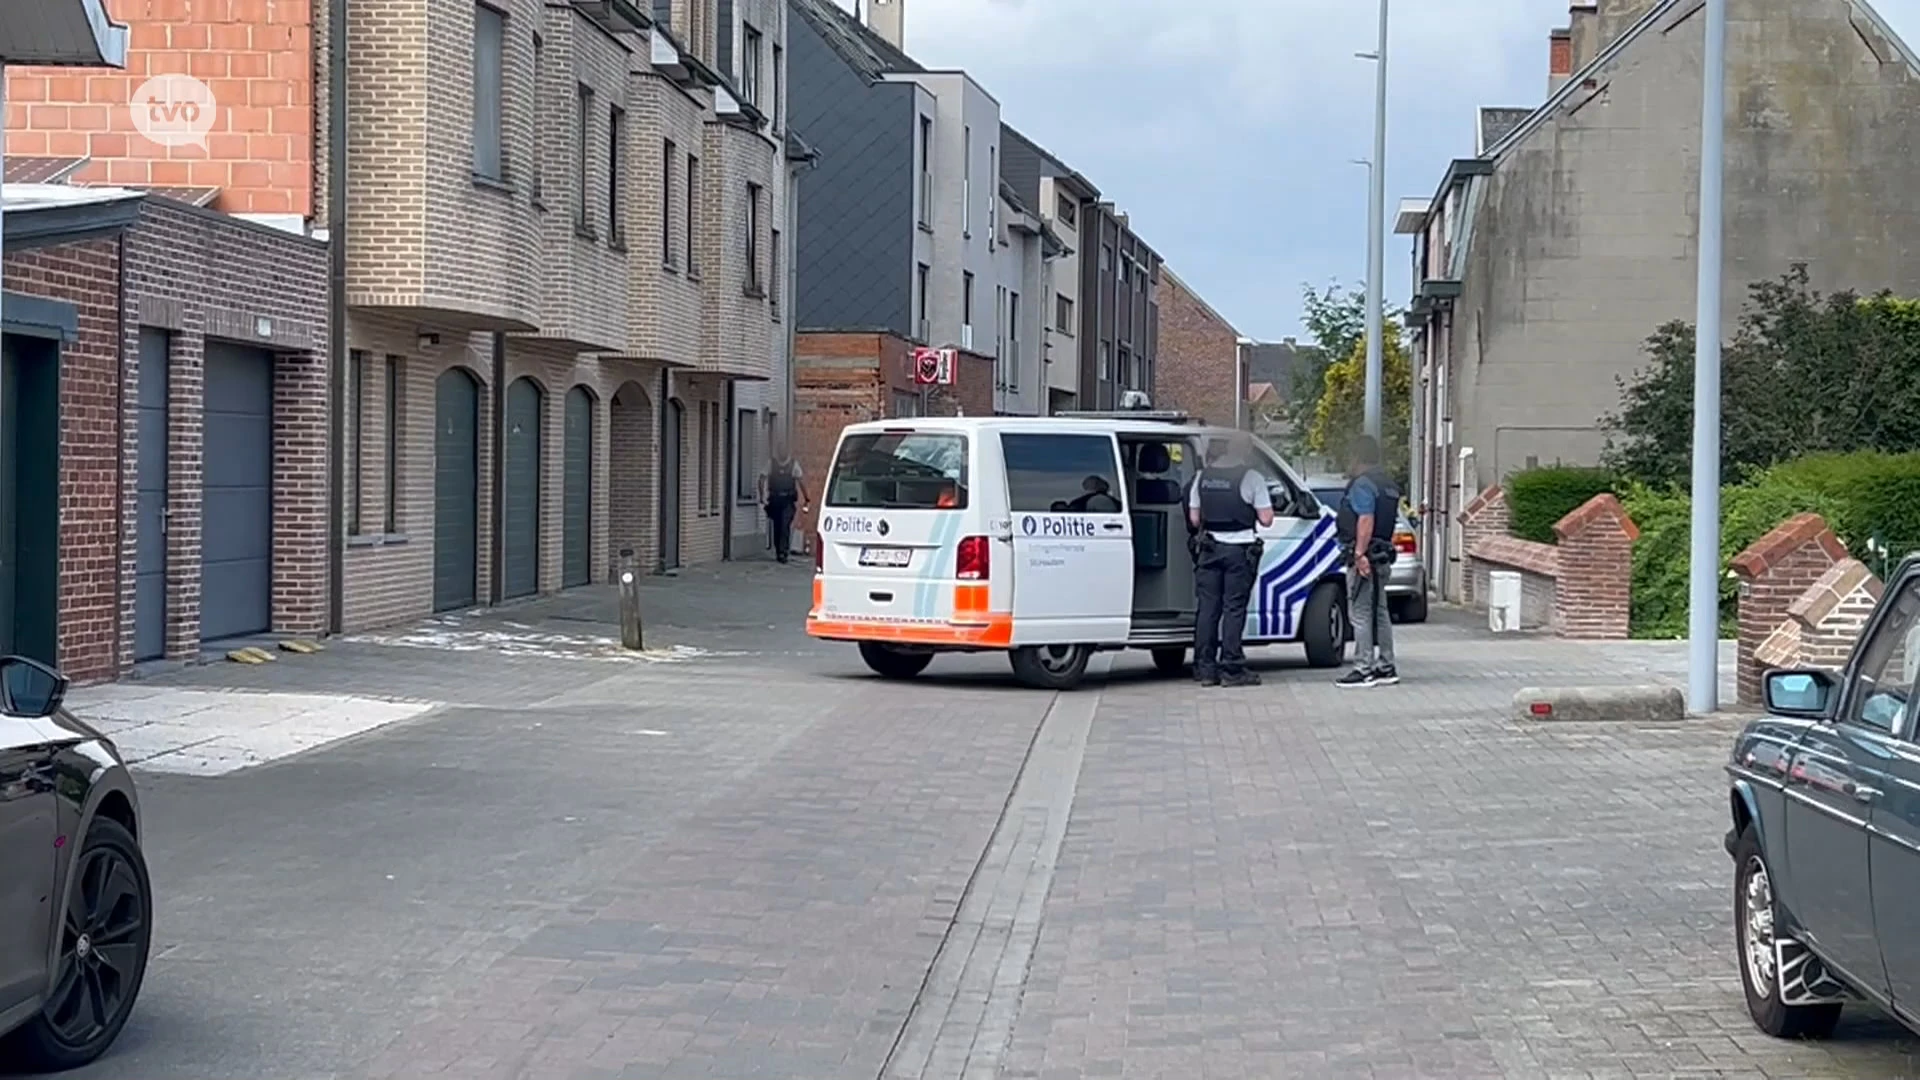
[1300,550]
[1072,537]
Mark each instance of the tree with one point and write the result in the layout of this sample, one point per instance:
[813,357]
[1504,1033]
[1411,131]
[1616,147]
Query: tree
[1341,411]
[1803,374]
[1334,319]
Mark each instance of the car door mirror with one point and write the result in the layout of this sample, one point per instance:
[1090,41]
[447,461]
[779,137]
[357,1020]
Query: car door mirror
[30,688]
[1807,694]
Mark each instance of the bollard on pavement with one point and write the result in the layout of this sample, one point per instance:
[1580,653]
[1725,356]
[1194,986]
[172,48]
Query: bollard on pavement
[632,630]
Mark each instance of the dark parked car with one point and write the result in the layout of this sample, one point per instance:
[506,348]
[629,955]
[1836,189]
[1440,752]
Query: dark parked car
[1826,832]
[76,912]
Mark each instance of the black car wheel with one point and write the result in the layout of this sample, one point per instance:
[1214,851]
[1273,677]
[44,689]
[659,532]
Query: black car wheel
[1170,661]
[1755,928]
[1413,609]
[1050,667]
[891,663]
[105,932]
[1324,627]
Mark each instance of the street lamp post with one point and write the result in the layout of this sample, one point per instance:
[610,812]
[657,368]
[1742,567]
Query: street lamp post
[1703,592]
[1376,227]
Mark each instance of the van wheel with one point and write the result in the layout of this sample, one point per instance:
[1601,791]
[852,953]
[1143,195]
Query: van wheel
[1324,627]
[891,663]
[1170,661]
[1050,667]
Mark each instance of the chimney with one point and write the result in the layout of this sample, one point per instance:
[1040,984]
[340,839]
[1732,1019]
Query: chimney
[1559,58]
[1583,33]
[888,18]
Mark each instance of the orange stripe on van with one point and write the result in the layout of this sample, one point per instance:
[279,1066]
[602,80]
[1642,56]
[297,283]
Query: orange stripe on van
[985,631]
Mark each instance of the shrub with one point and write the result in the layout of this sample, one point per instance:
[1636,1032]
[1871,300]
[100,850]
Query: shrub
[1539,497]
[1875,498]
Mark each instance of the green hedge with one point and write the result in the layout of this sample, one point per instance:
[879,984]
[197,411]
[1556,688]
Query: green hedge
[1538,498]
[1875,499]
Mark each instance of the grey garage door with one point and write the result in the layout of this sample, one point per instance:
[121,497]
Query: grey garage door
[150,483]
[522,482]
[456,490]
[236,535]
[577,561]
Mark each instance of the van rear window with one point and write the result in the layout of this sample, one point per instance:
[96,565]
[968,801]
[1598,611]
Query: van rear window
[900,471]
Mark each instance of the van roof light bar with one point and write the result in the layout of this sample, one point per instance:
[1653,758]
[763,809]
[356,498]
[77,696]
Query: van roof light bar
[1162,415]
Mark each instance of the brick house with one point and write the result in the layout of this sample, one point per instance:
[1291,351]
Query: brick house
[1200,369]
[562,253]
[182,496]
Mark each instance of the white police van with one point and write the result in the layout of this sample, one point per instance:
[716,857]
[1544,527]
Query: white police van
[1048,539]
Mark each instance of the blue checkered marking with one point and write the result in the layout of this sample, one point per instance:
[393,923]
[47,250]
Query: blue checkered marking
[1283,589]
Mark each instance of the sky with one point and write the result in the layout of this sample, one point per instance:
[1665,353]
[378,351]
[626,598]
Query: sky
[1228,130]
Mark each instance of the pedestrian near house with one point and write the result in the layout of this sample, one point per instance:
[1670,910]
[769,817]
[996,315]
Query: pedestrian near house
[1227,504]
[783,487]
[1367,516]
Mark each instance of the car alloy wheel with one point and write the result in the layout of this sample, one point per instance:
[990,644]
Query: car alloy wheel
[102,942]
[1058,659]
[1756,930]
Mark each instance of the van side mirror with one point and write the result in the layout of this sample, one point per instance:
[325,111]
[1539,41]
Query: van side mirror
[29,688]
[1807,694]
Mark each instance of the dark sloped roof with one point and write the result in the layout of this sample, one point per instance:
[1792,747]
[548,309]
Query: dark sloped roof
[1008,133]
[865,51]
[1497,122]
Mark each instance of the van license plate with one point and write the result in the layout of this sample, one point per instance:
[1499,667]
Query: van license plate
[893,557]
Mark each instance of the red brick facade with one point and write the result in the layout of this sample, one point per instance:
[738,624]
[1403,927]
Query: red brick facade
[1198,366]
[198,275]
[1774,572]
[1581,586]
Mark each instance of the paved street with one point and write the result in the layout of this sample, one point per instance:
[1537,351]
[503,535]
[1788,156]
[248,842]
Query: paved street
[743,857]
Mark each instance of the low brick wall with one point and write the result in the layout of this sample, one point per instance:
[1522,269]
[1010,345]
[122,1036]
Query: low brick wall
[1775,571]
[1823,623]
[1580,588]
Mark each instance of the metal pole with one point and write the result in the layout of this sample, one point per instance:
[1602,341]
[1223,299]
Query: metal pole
[1703,592]
[1376,223]
[633,634]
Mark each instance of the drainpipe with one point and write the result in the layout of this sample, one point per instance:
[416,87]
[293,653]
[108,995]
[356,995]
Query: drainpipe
[727,494]
[336,312]
[497,483]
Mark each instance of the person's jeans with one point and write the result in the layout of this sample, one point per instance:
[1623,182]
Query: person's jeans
[1372,622]
[780,514]
[1223,583]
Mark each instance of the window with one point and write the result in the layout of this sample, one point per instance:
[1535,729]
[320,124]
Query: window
[1000,328]
[669,161]
[966,183]
[900,471]
[489,93]
[693,211]
[754,285]
[1884,678]
[966,302]
[904,405]
[1106,257]
[1013,340]
[750,64]
[1106,361]
[993,200]
[390,512]
[704,460]
[356,437]
[1126,370]
[746,458]
[1067,211]
[1062,474]
[583,122]
[536,180]
[1063,314]
[1123,269]
[616,157]
[776,277]
[921,274]
[926,171]
[779,88]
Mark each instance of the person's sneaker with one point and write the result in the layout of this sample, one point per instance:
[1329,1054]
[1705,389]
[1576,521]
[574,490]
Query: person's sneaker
[1386,676]
[1207,678]
[1358,677]
[1244,678]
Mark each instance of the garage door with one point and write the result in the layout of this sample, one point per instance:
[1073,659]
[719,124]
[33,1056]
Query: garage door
[150,481]
[456,490]
[522,519]
[577,566]
[236,535]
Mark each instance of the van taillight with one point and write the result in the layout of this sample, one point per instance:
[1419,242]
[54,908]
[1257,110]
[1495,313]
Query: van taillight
[1404,543]
[974,562]
[819,547]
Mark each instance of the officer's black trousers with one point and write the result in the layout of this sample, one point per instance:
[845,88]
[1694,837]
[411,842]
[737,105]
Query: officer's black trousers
[1223,580]
[780,514]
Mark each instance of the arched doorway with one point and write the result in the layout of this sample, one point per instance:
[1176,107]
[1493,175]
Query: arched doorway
[521,513]
[576,560]
[456,490]
[671,459]
[630,459]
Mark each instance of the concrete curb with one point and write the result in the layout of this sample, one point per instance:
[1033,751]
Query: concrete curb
[1588,704]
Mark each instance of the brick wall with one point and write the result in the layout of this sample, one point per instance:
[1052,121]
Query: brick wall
[86,275]
[200,275]
[1198,368]
[1822,623]
[1487,516]
[1774,572]
[257,58]
[1590,568]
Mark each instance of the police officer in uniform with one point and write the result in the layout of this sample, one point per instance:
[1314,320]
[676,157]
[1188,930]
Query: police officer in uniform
[1227,503]
[782,488]
[1367,517]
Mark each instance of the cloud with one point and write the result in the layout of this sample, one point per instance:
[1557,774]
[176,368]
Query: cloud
[1227,129]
